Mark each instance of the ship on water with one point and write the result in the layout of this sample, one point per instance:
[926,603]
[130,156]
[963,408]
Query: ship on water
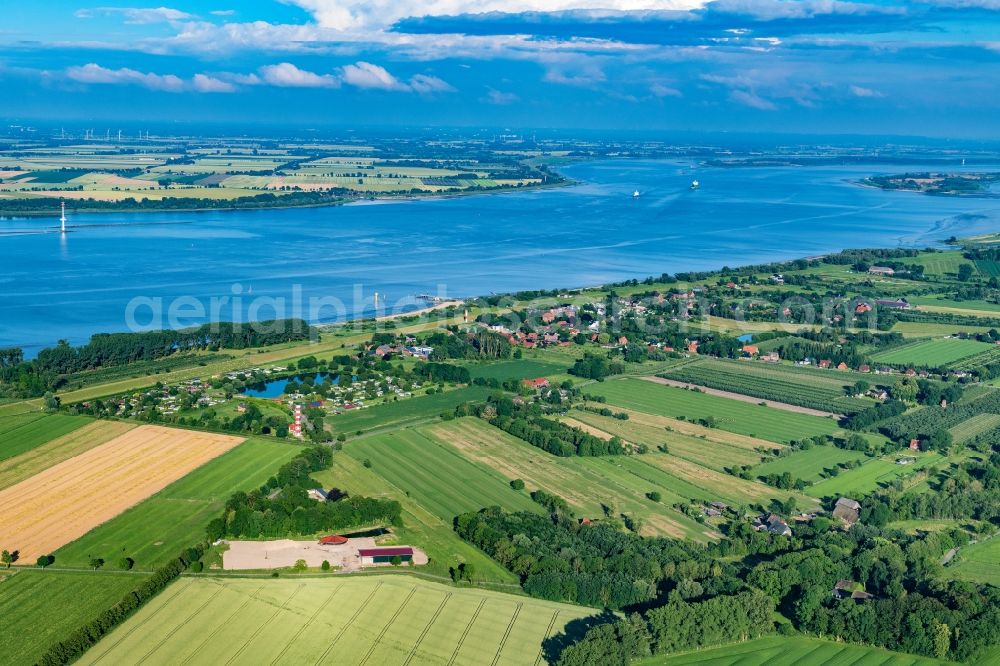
[635,195]
[695,184]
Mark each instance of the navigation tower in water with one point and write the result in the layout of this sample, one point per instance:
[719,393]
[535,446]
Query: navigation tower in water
[62,219]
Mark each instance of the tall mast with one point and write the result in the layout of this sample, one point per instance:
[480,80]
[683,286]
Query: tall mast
[62,219]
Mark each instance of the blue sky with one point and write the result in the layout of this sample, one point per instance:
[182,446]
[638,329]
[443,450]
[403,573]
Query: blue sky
[811,66]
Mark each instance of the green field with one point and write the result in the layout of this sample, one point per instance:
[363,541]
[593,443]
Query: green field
[406,412]
[41,607]
[432,534]
[941,263]
[436,475]
[157,529]
[808,465]
[872,475]
[791,651]
[372,620]
[527,368]
[591,486]
[979,562]
[733,415]
[976,425]
[932,353]
[808,387]
[23,432]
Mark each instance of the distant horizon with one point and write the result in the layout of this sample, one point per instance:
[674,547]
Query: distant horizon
[887,68]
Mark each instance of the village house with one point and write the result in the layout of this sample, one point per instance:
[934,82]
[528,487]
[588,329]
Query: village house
[847,510]
[845,588]
[881,270]
[774,524]
[750,350]
[898,304]
[538,383]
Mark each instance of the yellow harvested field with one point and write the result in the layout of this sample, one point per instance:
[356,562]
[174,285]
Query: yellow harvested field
[17,469]
[66,501]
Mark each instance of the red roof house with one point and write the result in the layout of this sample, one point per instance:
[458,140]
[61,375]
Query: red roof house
[333,540]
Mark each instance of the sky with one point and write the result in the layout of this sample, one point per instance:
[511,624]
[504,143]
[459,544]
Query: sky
[924,67]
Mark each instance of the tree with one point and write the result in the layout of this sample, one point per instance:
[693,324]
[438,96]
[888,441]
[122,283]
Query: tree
[8,557]
[395,560]
[96,563]
[300,566]
[517,484]
[965,272]
[45,560]
[325,566]
[126,563]
[654,495]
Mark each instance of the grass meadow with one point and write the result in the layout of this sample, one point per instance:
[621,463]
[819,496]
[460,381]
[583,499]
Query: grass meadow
[405,412]
[872,475]
[156,529]
[23,432]
[932,353]
[732,415]
[41,607]
[384,619]
[808,465]
[979,562]
[791,651]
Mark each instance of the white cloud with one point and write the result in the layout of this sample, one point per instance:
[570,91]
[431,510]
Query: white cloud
[366,75]
[287,75]
[138,15]
[499,98]
[208,84]
[93,73]
[751,99]
[859,91]
[222,12]
[366,15]
[661,90]
[422,83]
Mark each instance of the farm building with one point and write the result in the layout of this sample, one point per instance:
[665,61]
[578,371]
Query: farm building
[539,383]
[333,540]
[847,510]
[881,270]
[385,554]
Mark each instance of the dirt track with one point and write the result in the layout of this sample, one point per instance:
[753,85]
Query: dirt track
[65,501]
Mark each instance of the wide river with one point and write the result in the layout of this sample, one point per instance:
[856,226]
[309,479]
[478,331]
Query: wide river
[69,286]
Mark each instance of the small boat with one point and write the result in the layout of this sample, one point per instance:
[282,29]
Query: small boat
[635,195]
[695,184]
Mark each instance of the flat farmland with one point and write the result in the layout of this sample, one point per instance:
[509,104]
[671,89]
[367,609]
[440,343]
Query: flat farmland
[732,415]
[818,389]
[41,607]
[64,502]
[713,453]
[587,484]
[932,353]
[435,535]
[436,475]
[808,465]
[406,412]
[91,434]
[24,432]
[872,475]
[979,562]
[351,620]
[157,528]
[791,651]
[527,368]
[976,425]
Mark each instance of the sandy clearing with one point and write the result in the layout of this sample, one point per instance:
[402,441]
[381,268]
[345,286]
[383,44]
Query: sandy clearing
[280,553]
[66,501]
[29,463]
[688,428]
[742,398]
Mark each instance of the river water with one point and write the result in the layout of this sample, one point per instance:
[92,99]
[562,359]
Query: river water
[267,263]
